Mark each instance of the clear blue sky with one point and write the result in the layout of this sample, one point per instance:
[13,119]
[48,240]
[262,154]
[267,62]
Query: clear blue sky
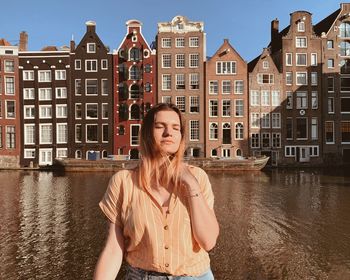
[246,23]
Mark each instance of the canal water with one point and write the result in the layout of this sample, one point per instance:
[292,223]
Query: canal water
[277,224]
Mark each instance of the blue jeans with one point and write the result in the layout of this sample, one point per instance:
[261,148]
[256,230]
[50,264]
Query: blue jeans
[133,273]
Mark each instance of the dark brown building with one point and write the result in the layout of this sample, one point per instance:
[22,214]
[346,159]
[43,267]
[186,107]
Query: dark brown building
[91,100]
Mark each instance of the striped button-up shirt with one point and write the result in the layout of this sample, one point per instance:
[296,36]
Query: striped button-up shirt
[155,240]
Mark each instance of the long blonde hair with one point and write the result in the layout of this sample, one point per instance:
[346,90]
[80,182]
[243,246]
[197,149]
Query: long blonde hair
[156,166]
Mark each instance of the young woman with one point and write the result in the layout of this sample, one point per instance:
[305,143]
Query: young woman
[161,214]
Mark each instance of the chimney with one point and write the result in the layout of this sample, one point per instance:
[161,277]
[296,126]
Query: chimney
[72,45]
[274,34]
[23,41]
[90,26]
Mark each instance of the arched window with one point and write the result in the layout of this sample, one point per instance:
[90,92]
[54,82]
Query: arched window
[135,91]
[345,49]
[239,153]
[344,29]
[121,130]
[226,133]
[78,154]
[134,73]
[213,131]
[147,87]
[239,131]
[104,154]
[214,152]
[134,54]
[134,112]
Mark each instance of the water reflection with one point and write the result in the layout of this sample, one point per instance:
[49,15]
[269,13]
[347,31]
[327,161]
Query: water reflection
[274,225]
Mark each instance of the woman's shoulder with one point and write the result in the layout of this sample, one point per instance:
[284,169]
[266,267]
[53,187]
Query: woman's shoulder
[197,170]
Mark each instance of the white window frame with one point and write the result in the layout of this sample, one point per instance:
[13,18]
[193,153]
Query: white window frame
[91,65]
[31,110]
[58,136]
[45,94]
[46,76]
[61,111]
[45,111]
[93,49]
[298,42]
[61,92]
[60,75]
[28,75]
[26,142]
[40,133]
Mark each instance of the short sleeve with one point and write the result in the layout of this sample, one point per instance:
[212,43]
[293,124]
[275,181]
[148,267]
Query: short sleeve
[206,189]
[112,201]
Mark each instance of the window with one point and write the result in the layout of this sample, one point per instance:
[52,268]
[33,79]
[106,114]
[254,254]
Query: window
[134,134]
[28,94]
[265,98]
[301,78]
[9,66]
[10,137]
[226,67]
[45,94]
[45,136]
[148,87]
[301,26]
[345,66]
[91,87]
[91,111]
[226,108]
[29,111]
[300,42]
[314,78]
[166,60]
[135,113]
[62,133]
[194,60]
[330,63]
[265,140]
[104,110]
[181,103]
[289,128]
[330,84]
[45,111]
[345,132]
[344,48]
[289,59]
[135,91]
[265,64]
[301,128]
[330,44]
[29,134]
[213,87]
[10,109]
[265,120]
[276,140]
[61,153]
[134,73]
[344,83]
[78,133]
[166,82]
[314,130]
[239,108]
[254,98]
[91,133]
[180,42]
[180,60]
[105,133]
[329,132]
[61,93]
[255,120]
[166,99]
[60,75]
[194,81]
[213,131]
[104,64]
[10,85]
[226,87]
[289,78]
[301,100]
[275,98]
[194,42]
[77,88]
[194,104]
[28,75]
[276,120]
[91,47]
[135,54]
[148,68]
[345,105]
[255,140]
[239,131]
[314,100]
[289,151]
[213,108]
[77,64]
[330,105]
[44,76]
[301,59]
[344,29]
[313,61]
[239,87]
[194,130]
[265,78]
[313,151]
[91,65]
[61,111]
[78,112]
[104,87]
[180,81]
[166,42]
[289,103]
[29,153]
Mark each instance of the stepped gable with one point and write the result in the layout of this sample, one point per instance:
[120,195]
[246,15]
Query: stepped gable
[4,42]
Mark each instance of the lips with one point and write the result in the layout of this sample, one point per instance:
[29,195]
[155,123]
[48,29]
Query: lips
[167,142]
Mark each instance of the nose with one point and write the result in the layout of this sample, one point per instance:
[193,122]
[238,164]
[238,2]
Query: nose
[167,132]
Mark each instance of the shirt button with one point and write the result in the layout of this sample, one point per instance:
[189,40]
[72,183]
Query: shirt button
[166,227]
[166,247]
[166,265]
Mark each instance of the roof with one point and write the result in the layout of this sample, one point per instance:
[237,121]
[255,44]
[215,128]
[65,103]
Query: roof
[49,48]
[252,64]
[325,24]
[3,42]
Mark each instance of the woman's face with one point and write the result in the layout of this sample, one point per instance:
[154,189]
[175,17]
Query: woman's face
[167,131]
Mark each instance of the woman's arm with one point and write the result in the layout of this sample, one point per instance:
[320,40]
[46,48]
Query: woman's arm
[111,257]
[205,226]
